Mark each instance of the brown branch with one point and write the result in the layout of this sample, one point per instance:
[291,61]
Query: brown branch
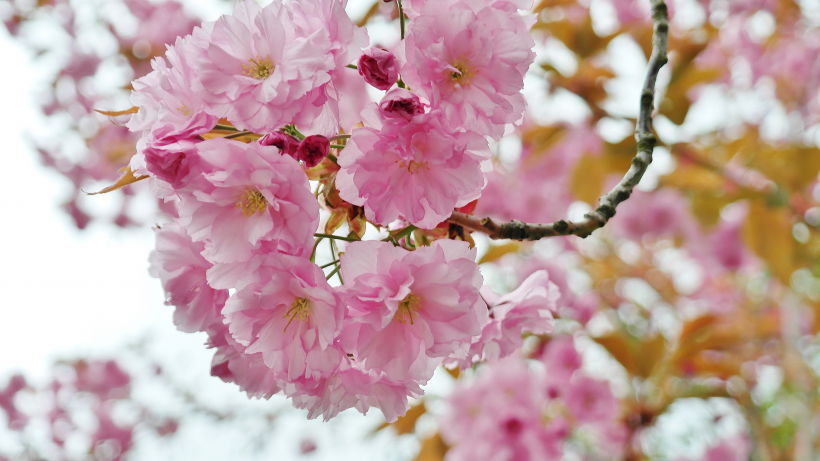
[518,230]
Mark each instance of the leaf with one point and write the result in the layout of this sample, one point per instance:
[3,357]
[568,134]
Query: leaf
[132,110]
[407,423]
[495,252]
[127,178]
[676,103]
[432,449]
[335,221]
[586,182]
[639,358]
[578,36]
[454,372]
[768,233]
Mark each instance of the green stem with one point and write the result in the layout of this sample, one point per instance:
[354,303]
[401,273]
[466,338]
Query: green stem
[315,246]
[329,264]
[333,158]
[334,273]
[337,146]
[401,18]
[401,84]
[238,135]
[400,234]
[336,237]
[353,66]
[225,128]
[341,136]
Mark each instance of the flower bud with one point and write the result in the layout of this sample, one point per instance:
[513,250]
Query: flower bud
[401,103]
[378,67]
[286,143]
[313,149]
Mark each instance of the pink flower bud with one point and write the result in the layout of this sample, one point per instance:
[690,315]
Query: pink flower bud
[378,67]
[400,103]
[286,143]
[313,149]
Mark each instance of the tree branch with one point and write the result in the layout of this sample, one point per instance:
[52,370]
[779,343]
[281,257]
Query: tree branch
[518,230]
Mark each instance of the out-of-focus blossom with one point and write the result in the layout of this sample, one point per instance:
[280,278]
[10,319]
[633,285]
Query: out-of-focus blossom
[378,67]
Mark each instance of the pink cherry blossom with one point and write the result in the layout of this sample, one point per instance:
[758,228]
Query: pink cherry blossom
[263,68]
[178,263]
[287,311]
[419,170]
[527,309]
[408,310]
[470,62]
[286,143]
[661,213]
[14,417]
[379,68]
[500,413]
[232,364]
[561,360]
[353,387]
[250,196]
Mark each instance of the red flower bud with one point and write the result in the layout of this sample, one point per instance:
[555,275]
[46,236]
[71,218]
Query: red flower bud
[378,67]
[286,143]
[313,149]
[400,103]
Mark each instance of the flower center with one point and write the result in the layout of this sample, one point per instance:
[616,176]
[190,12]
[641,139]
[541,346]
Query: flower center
[413,166]
[299,310]
[407,307]
[465,72]
[259,69]
[251,202]
[184,110]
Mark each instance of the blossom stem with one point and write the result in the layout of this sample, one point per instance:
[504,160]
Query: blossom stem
[315,246]
[337,146]
[401,18]
[400,83]
[341,136]
[333,158]
[238,135]
[353,66]
[336,237]
[330,275]
[225,127]
[518,230]
[329,264]
[400,234]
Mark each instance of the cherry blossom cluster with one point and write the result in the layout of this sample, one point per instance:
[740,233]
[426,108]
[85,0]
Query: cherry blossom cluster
[529,409]
[221,120]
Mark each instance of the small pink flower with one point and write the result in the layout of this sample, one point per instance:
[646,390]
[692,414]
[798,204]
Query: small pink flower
[419,170]
[286,311]
[171,162]
[170,109]
[561,360]
[400,103]
[591,401]
[312,150]
[233,365]
[353,387]
[470,62]
[528,309]
[379,68]
[408,310]
[250,197]
[178,263]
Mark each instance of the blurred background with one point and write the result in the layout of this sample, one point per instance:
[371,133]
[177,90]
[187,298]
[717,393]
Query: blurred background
[697,305]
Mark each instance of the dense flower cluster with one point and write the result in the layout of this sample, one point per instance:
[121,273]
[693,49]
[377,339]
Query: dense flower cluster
[221,119]
[519,410]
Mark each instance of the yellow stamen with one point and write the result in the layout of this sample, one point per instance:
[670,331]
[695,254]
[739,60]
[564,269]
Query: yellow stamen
[259,69]
[465,72]
[407,306]
[184,110]
[299,310]
[251,202]
[413,166]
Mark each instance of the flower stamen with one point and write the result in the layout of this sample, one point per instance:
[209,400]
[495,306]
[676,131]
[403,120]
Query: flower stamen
[299,310]
[464,72]
[259,69]
[252,201]
[407,306]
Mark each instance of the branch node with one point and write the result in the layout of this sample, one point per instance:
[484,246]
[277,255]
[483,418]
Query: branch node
[561,226]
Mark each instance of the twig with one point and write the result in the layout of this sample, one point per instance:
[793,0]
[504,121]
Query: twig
[518,230]
[336,237]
